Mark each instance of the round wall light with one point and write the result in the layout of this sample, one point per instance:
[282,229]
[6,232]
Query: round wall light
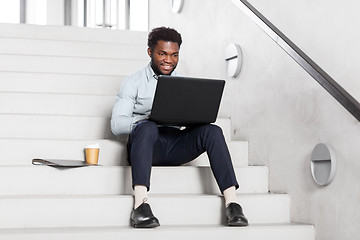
[233,58]
[323,164]
[177,5]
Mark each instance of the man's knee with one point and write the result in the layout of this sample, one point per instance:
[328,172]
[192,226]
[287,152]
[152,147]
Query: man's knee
[141,141]
[212,131]
[146,129]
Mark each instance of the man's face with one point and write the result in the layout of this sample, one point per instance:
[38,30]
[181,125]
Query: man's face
[164,57]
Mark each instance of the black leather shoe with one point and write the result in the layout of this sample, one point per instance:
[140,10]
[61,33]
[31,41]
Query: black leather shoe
[235,216]
[142,217]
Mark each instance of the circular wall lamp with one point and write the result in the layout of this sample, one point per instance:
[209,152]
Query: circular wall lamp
[323,164]
[233,58]
[177,5]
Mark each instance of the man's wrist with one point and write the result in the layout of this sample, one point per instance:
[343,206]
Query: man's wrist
[140,118]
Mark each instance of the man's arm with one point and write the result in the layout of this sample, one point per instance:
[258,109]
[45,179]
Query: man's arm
[123,119]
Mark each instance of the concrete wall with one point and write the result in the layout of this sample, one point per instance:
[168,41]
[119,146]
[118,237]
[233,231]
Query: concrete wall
[275,104]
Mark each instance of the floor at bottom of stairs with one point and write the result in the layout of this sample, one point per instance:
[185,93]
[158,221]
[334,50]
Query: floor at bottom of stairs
[252,232]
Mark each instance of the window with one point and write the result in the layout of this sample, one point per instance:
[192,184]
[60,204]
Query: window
[139,14]
[36,12]
[117,14]
[10,11]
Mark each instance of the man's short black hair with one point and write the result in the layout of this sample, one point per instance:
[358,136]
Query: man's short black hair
[163,34]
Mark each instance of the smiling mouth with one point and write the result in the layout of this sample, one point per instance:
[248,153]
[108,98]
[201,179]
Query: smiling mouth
[167,67]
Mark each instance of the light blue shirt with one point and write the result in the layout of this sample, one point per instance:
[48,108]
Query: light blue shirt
[134,101]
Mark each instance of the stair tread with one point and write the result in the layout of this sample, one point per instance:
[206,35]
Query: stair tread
[280,231]
[70,65]
[65,33]
[28,82]
[113,152]
[129,196]
[82,210]
[43,126]
[161,228]
[117,180]
[37,47]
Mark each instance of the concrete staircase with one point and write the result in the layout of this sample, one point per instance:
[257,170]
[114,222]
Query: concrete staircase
[57,88]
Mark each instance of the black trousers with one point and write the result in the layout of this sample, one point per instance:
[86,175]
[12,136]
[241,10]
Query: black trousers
[150,145]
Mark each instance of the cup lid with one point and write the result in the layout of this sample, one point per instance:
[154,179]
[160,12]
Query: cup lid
[95,145]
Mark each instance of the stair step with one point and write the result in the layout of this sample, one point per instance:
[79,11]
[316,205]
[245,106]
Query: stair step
[109,210]
[44,180]
[36,47]
[214,232]
[20,152]
[252,232]
[54,127]
[57,104]
[70,65]
[17,152]
[28,104]
[29,82]
[69,105]
[64,127]
[65,33]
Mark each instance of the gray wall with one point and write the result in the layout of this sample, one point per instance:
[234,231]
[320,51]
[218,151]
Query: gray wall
[275,104]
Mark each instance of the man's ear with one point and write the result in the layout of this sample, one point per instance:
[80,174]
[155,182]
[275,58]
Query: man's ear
[149,52]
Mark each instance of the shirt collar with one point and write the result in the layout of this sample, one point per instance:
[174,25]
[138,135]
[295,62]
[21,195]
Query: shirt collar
[150,74]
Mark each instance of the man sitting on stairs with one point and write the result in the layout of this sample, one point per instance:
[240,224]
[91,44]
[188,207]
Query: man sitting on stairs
[152,145]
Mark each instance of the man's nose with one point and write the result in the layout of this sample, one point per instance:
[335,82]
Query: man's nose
[168,58]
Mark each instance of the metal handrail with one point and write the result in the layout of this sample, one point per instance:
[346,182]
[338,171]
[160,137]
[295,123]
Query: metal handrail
[327,82]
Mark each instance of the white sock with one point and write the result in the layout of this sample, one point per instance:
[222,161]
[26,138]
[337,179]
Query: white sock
[230,196]
[140,195]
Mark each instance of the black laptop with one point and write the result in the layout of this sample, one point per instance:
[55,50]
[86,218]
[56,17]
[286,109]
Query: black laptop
[185,101]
